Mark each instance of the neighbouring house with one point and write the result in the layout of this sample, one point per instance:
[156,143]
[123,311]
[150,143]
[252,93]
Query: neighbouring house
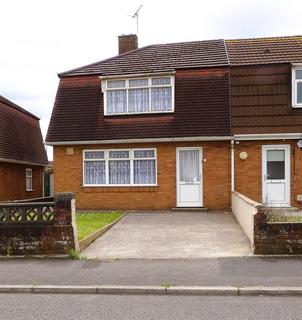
[181,125]
[266,109]
[22,153]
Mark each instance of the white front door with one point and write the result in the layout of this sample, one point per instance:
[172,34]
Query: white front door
[189,177]
[276,175]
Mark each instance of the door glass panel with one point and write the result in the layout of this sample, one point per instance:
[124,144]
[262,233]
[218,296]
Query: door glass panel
[299,92]
[275,164]
[189,165]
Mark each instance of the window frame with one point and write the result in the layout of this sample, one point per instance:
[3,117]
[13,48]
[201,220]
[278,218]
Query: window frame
[29,170]
[131,159]
[105,89]
[295,81]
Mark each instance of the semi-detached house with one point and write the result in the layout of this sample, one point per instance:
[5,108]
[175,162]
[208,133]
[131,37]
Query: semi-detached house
[182,125]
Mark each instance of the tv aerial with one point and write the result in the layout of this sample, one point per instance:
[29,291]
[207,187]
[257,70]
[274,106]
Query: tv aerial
[135,16]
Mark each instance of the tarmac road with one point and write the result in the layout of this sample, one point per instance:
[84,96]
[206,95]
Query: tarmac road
[92,307]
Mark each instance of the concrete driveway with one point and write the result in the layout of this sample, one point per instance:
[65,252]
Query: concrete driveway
[171,235]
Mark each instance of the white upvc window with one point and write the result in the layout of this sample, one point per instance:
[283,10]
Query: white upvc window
[138,95]
[297,87]
[29,179]
[119,167]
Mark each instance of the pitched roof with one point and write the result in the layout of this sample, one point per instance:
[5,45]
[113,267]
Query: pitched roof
[20,134]
[15,106]
[78,114]
[204,110]
[160,57]
[265,50]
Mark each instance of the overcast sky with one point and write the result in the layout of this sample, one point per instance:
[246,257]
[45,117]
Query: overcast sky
[40,38]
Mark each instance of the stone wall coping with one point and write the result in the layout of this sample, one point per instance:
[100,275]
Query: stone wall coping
[255,204]
[65,195]
[25,204]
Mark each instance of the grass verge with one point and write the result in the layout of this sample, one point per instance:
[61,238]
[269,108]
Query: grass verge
[88,222]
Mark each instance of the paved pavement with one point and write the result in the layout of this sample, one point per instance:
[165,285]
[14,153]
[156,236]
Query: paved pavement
[172,235]
[92,307]
[252,271]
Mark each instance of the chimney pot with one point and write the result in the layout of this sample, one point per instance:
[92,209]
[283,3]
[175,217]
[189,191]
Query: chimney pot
[127,42]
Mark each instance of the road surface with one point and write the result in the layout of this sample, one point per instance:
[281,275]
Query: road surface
[109,307]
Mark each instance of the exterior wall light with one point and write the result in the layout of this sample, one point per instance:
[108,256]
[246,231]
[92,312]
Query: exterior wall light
[243,155]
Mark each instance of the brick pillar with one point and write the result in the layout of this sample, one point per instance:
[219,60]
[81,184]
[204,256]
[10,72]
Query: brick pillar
[64,208]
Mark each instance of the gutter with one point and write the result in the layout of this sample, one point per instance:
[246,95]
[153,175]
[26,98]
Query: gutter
[144,140]
[239,137]
[24,162]
[268,136]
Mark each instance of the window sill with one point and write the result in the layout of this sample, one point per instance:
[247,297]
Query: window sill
[29,190]
[119,189]
[118,185]
[137,113]
[297,106]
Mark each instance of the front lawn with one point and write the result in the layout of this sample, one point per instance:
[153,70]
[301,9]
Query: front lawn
[88,222]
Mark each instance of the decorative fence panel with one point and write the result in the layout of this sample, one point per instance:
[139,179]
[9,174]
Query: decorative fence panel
[38,227]
[31,212]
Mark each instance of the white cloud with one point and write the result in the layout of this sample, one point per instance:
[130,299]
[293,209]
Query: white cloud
[41,38]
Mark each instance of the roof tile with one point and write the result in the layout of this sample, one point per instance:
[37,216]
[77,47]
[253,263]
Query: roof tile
[265,50]
[161,57]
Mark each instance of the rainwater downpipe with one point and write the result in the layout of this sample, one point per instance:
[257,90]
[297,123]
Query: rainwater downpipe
[232,165]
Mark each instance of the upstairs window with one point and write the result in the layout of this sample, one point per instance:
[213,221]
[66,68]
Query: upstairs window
[297,87]
[139,95]
[29,179]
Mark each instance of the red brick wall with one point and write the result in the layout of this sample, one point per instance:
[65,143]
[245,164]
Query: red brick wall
[248,173]
[12,181]
[216,179]
[276,238]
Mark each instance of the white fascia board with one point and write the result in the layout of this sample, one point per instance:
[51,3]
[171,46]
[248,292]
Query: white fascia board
[146,140]
[268,136]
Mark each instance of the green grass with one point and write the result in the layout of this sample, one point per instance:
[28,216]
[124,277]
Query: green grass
[88,222]
[275,218]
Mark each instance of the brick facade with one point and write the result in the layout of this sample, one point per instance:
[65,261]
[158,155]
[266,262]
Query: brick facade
[13,185]
[248,173]
[68,177]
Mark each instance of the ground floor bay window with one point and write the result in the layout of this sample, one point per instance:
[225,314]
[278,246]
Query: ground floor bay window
[119,167]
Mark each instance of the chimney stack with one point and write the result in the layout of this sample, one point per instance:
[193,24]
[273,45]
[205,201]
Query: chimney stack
[127,42]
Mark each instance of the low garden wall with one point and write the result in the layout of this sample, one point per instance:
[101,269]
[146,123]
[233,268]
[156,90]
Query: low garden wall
[38,227]
[266,236]
[245,210]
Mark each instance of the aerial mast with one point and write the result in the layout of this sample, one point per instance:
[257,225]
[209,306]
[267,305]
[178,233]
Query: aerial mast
[135,15]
